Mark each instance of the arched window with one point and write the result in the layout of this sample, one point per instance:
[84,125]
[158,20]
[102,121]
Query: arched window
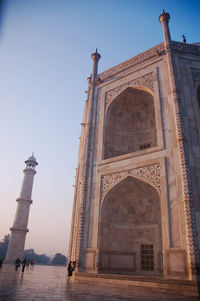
[130,123]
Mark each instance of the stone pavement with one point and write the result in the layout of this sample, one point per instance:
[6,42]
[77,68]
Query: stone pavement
[46,283]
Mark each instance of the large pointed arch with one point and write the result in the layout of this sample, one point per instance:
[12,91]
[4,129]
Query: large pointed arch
[129,123]
[130,223]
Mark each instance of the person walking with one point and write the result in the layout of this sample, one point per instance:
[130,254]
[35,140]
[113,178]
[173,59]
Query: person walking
[17,264]
[73,266]
[24,262]
[70,269]
[1,263]
[28,263]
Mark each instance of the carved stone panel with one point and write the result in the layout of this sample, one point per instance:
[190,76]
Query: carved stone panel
[150,173]
[196,75]
[145,80]
[153,52]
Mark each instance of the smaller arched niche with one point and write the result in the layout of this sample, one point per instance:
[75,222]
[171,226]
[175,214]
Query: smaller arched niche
[130,123]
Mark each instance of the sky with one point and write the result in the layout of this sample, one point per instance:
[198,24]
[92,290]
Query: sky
[45,60]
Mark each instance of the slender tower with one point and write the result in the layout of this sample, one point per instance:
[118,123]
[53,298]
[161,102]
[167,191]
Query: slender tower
[19,229]
[84,169]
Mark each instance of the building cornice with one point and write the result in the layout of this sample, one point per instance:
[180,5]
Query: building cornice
[149,54]
[185,48]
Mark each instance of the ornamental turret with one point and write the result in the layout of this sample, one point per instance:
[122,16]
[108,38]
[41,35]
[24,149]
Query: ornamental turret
[164,20]
[96,57]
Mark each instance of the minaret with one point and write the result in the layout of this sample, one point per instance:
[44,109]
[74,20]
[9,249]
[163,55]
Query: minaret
[182,151]
[82,196]
[19,229]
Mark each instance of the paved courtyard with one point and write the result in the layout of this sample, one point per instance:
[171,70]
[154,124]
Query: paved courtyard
[50,283]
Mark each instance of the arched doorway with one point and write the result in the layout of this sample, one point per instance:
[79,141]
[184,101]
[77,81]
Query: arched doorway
[130,239]
[130,123]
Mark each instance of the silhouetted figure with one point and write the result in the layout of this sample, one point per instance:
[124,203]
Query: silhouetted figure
[1,263]
[73,265]
[70,269]
[32,263]
[17,264]
[28,263]
[24,262]
[184,39]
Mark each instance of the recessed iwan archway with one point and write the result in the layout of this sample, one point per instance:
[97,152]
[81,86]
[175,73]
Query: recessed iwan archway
[130,236]
[130,123]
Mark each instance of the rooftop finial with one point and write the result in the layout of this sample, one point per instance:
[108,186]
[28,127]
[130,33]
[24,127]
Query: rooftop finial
[31,159]
[184,39]
[164,19]
[96,57]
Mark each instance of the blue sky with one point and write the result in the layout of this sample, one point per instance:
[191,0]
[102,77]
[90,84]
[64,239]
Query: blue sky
[45,48]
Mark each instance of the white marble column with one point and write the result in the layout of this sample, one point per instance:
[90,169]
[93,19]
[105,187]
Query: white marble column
[19,228]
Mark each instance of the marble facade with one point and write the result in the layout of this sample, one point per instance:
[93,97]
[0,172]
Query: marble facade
[137,197]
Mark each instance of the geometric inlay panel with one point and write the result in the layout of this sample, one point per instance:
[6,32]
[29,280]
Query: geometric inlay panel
[150,173]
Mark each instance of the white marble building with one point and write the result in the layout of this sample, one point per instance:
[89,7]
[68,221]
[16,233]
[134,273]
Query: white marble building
[137,197]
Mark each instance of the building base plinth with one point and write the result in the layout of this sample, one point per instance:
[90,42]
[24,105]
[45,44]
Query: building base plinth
[168,286]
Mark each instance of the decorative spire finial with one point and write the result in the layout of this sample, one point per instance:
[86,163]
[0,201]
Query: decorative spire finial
[164,19]
[96,57]
[184,39]
[164,16]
